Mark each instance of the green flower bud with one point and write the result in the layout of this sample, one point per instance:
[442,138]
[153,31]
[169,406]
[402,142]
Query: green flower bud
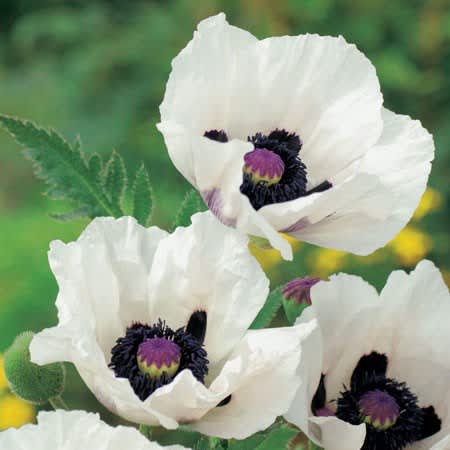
[33,383]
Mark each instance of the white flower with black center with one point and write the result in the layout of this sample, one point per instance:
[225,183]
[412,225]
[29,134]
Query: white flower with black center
[289,134]
[75,430]
[376,371]
[157,326]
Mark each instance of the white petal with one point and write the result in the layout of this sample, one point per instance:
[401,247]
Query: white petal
[444,444]
[420,354]
[102,276]
[371,201]
[74,430]
[309,371]
[334,434]
[330,299]
[199,91]
[320,87]
[208,267]
[261,376]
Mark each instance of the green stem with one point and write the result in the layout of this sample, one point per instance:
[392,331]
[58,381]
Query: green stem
[146,431]
[214,442]
[58,403]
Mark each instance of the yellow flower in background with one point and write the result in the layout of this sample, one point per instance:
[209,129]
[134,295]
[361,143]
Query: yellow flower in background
[14,412]
[411,245]
[270,257]
[326,261]
[374,258]
[431,200]
[3,381]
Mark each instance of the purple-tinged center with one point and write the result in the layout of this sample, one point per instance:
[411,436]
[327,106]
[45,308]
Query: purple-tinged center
[263,166]
[158,355]
[379,409]
[299,289]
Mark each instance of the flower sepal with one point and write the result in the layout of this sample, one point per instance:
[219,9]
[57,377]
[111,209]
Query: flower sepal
[31,382]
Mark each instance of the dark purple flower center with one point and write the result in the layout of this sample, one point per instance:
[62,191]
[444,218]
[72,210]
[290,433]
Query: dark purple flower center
[379,409]
[263,166]
[158,355]
[273,172]
[393,418]
[299,289]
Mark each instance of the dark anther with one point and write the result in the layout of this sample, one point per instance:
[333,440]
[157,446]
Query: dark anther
[369,366]
[320,397]
[431,422]
[216,135]
[197,325]
[225,401]
[320,188]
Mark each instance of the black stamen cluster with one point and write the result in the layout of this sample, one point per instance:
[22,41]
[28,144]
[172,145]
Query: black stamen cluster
[413,424]
[124,356]
[292,184]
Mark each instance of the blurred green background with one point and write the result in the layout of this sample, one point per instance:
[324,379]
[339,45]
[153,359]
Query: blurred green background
[98,68]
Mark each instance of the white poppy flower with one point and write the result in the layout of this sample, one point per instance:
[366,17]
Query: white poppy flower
[75,430]
[289,134]
[376,371]
[157,326]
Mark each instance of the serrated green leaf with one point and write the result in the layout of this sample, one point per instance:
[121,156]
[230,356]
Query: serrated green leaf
[191,204]
[61,166]
[96,167]
[72,215]
[269,310]
[278,439]
[115,179]
[143,198]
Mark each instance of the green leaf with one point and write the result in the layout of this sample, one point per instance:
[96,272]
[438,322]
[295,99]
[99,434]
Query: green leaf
[95,188]
[96,167]
[62,167]
[191,204]
[269,310]
[279,439]
[115,179]
[72,215]
[247,444]
[142,197]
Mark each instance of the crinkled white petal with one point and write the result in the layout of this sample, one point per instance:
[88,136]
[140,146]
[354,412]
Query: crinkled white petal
[261,378]
[207,267]
[407,322]
[332,433]
[309,371]
[321,87]
[372,200]
[74,430]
